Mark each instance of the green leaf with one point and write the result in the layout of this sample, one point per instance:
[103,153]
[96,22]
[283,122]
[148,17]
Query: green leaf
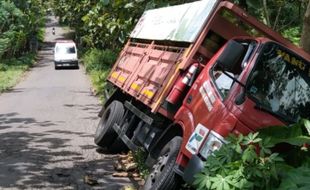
[295,177]
[238,149]
[129,5]
[249,155]
[220,183]
[105,2]
[282,134]
[254,3]
[202,181]
[251,139]
[307,125]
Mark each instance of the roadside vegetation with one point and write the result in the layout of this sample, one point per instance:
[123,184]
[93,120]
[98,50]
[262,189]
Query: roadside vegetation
[272,158]
[21,32]
[11,70]
[98,64]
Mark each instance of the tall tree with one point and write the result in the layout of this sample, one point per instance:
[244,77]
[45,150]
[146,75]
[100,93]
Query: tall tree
[20,22]
[305,37]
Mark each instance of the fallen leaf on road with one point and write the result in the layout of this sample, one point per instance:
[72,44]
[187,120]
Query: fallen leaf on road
[123,156]
[128,188]
[135,175]
[118,167]
[90,180]
[123,161]
[130,167]
[121,174]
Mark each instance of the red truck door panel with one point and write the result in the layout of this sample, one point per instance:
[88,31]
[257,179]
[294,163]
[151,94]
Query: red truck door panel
[206,107]
[250,116]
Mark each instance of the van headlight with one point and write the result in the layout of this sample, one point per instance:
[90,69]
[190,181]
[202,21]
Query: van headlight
[213,142]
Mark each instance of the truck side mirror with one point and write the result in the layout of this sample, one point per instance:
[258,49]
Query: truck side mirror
[230,55]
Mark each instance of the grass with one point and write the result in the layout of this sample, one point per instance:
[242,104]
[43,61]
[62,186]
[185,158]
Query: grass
[98,81]
[98,64]
[12,70]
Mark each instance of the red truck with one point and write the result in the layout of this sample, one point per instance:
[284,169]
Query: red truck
[192,74]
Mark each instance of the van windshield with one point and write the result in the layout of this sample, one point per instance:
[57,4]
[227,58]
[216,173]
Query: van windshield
[280,83]
[65,49]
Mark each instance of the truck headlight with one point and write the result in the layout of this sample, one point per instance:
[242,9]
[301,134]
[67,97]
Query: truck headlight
[213,142]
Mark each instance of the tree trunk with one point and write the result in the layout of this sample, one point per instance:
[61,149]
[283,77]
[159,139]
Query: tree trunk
[277,18]
[305,36]
[266,12]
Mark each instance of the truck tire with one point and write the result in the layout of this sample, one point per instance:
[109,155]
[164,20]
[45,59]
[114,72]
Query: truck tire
[162,176]
[105,135]
[118,146]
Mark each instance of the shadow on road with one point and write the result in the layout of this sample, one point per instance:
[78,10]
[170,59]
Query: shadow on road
[92,109]
[12,118]
[51,23]
[24,157]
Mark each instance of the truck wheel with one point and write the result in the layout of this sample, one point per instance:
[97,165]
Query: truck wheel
[105,135]
[118,146]
[162,175]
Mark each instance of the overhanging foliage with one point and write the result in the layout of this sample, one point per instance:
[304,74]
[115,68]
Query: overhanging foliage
[20,23]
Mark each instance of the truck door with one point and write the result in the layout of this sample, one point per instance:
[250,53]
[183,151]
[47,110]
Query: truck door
[207,101]
[277,89]
[248,117]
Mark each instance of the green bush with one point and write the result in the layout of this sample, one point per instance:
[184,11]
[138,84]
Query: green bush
[98,64]
[21,27]
[257,161]
[98,60]
[11,70]
[293,34]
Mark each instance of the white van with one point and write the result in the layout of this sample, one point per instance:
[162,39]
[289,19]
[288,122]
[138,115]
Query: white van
[65,54]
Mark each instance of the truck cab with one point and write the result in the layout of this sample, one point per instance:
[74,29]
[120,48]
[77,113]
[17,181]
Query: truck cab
[248,85]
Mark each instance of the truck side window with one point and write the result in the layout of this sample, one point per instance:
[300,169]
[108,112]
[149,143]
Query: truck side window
[222,80]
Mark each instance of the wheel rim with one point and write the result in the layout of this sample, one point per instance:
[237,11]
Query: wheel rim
[101,129]
[158,168]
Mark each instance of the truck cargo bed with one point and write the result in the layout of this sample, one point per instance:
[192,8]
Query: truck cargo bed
[143,69]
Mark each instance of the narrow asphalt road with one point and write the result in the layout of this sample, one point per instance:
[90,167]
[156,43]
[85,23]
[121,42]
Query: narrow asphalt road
[47,124]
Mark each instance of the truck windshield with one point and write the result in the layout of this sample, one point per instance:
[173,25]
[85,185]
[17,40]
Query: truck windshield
[280,83]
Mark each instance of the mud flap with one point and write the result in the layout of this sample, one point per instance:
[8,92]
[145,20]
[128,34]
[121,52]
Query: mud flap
[194,166]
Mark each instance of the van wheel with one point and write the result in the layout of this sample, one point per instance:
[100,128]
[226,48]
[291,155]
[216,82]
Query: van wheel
[105,135]
[162,175]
